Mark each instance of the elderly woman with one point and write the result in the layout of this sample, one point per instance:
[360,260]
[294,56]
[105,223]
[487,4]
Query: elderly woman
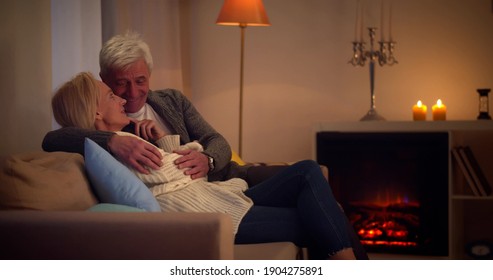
[295,205]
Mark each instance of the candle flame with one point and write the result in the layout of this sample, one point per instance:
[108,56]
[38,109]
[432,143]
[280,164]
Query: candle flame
[419,103]
[439,103]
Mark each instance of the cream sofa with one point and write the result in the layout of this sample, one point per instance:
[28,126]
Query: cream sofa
[49,211]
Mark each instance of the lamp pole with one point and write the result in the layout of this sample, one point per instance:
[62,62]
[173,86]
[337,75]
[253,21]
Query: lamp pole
[240,126]
[242,13]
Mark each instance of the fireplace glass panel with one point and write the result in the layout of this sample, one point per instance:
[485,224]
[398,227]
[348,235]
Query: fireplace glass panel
[392,186]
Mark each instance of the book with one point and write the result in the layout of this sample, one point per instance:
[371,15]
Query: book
[475,170]
[465,172]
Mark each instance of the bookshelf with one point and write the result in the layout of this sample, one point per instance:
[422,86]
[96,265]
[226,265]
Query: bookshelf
[469,215]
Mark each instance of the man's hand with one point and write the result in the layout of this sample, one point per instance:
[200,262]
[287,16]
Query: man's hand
[148,129]
[195,163]
[136,153]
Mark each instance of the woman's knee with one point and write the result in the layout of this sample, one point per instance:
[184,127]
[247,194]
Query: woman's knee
[309,165]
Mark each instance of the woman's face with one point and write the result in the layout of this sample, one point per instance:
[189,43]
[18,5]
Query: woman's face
[111,113]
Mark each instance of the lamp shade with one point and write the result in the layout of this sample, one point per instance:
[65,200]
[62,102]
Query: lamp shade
[243,13]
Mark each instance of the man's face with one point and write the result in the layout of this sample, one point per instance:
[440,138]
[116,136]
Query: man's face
[131,84]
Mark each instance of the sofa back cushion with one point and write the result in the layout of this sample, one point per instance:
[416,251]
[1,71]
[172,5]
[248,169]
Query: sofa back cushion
[45,181]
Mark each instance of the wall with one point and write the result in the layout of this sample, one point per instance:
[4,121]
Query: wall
[59,39]
[297,71]
[25,76]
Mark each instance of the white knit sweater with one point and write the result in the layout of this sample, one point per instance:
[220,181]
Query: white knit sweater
[177,192]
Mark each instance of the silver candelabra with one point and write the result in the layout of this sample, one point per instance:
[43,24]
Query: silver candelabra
[384,55]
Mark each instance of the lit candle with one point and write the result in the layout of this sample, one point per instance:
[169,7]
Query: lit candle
[439,111]
[362,22]
[382,21]
[419,111]
[357,24]
[390,21]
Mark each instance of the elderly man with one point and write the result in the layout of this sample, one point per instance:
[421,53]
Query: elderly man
[126,65]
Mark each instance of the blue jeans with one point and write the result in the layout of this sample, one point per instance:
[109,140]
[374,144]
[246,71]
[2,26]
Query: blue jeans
[296,205]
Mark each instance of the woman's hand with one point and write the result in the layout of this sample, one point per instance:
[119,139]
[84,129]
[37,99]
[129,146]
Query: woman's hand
[148,130]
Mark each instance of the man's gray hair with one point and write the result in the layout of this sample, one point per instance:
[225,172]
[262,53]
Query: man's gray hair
[122,50]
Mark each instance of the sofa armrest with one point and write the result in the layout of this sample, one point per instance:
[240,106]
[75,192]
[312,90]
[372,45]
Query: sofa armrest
[96,235]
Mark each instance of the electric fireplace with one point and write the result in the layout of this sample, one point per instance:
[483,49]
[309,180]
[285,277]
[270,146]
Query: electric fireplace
[392,186]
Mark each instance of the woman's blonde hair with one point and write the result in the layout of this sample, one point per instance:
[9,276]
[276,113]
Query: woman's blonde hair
[75,103]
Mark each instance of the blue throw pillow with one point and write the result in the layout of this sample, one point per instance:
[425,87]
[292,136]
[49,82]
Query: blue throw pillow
[113,182]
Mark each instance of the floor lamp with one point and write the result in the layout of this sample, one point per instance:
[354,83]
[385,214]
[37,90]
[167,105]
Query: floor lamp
[242,13]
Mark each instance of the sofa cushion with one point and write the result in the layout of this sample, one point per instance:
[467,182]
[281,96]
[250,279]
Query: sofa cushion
[236,158]
[269,251]
[109,207]
[113,182]
[44,181]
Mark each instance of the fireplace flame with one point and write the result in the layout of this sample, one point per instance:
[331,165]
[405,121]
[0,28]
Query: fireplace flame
[389,220]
